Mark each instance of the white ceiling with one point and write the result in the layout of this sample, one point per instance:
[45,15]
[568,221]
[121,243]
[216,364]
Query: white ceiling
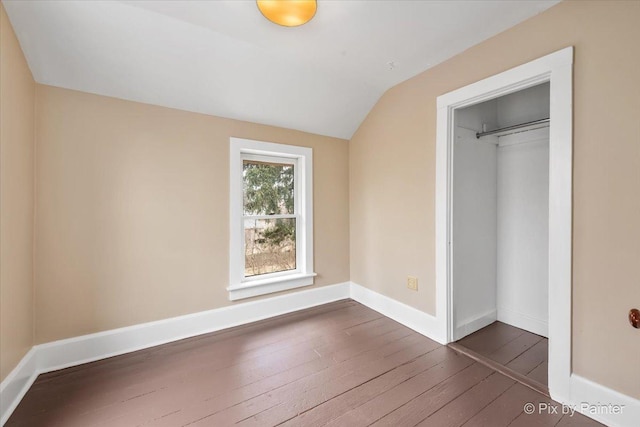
[224,58]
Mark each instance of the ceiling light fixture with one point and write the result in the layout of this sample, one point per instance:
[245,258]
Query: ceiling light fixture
[288,13]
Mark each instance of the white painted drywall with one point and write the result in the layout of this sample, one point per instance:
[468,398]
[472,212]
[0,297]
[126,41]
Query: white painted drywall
[500,216]
[523,230]
[523,106]
[474,231]
[475,116]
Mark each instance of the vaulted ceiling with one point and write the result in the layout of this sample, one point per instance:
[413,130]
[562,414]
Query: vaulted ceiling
[224,58]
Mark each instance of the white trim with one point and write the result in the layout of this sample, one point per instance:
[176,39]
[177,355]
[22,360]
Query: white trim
[239,286]
[523,321]
[556,68]
[584,390]
[89,348]
[469,326]
[16,384]
[270,285]
[419,321]
[509,81]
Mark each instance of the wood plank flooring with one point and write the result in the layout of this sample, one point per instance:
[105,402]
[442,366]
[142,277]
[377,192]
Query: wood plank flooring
[516,349]
[340,364]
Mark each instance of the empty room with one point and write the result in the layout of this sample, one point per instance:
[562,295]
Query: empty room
[319,213]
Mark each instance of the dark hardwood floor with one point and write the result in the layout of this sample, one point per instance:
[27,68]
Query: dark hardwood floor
[339,364]
[516,349]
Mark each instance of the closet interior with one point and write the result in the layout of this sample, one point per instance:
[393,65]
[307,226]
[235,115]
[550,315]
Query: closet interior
[500,230]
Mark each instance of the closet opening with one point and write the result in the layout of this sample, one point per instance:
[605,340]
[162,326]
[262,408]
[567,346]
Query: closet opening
[500,233]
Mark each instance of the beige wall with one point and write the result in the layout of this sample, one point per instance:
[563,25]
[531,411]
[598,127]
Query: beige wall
[17,96]
[133,211]
[132,199]
[392,175]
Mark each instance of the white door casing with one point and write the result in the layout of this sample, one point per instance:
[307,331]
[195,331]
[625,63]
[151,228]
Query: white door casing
[556,68]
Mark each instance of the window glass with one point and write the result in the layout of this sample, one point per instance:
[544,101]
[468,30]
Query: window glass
[268,188]
[270,245]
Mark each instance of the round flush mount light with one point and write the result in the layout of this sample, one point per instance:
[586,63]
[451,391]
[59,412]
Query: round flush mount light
[288,13]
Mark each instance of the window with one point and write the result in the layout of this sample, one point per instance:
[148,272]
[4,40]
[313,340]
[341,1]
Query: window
[271,223]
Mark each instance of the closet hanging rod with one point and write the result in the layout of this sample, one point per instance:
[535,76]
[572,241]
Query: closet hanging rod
[514,127]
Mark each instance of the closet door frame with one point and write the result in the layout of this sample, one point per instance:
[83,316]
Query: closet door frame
[556,68]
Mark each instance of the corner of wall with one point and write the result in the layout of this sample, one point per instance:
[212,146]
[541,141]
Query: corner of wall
[34,190]
[18,208]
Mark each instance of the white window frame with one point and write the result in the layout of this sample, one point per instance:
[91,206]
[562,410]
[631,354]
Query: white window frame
[302,157]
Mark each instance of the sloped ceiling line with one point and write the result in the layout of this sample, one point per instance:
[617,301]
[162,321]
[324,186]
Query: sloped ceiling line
[223,58]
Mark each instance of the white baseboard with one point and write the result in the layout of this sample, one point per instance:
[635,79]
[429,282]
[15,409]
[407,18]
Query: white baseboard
[586,392]
[523,321]
[472,325]
[75,351]
[410,317]
[582,390]
[16,384]
[62,354]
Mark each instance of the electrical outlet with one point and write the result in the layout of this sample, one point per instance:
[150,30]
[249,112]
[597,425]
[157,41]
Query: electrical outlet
[412,283]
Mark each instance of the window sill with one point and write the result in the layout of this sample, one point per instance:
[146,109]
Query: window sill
[268,286]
